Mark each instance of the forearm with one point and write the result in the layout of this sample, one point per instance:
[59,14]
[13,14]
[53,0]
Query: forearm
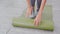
[28,3]
[41,8]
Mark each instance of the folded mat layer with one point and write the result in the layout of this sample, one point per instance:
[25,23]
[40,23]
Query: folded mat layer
[45,24]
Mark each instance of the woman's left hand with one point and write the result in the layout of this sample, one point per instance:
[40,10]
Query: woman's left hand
[37,20]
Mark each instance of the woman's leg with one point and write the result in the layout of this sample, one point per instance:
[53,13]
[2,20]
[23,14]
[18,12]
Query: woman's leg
[38,4]
[29,8]
[33,11]
[32,3]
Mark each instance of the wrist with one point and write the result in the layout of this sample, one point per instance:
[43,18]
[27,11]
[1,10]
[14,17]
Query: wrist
[39,15]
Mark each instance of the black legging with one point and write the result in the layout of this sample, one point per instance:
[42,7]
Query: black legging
[38,4]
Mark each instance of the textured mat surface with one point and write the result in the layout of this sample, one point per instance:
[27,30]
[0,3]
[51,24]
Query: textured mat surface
[46,23]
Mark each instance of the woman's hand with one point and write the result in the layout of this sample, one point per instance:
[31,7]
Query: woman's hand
[37,20]
[38,17]
[29,11]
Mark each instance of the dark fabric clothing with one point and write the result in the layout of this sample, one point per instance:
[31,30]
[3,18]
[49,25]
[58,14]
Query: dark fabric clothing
[38,3]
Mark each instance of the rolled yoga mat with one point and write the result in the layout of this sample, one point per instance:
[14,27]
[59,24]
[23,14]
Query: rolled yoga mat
[46,23]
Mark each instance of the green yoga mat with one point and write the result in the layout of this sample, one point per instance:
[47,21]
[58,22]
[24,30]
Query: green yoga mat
[46,23]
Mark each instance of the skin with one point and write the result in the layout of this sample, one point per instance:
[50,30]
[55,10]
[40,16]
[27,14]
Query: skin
[37,20]
[29,9]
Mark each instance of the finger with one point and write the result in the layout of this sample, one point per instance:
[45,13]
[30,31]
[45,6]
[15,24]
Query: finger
[30,13]
[34,22]
[27,14]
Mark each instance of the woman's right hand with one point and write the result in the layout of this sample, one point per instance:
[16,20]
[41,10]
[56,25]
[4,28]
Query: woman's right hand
[28,12]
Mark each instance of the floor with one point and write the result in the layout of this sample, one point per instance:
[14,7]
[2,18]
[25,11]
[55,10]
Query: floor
[14,8]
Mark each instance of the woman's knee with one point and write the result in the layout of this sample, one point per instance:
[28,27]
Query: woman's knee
[33,3]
